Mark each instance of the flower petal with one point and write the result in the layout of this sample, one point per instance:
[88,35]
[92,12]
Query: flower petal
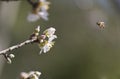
[49,32]
[51,38]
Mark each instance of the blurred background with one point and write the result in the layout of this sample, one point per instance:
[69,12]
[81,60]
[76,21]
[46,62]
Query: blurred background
[82,50]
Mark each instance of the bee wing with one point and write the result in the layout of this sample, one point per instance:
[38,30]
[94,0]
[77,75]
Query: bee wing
[43,15]
[33,17]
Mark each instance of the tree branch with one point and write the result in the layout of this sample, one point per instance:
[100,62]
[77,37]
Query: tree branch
[34,38]
[17,46]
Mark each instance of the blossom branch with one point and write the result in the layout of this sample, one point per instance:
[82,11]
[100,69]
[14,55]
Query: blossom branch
[45,42]
[33,38]
[17,46]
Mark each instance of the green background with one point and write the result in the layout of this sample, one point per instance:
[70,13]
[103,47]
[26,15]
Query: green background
[81,51]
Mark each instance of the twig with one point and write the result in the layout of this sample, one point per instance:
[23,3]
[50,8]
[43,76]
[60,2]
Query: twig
[33,39]
[17,46]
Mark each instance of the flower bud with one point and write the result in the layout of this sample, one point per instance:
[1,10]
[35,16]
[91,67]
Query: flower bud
[11,55]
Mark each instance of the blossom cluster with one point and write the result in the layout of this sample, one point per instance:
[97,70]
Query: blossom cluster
[45,40]
[39,10]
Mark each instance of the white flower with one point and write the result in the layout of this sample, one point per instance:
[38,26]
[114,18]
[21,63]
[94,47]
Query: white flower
[34,74]
[46,47]
[51,38]
[30,75]
[24,75]
[37,73]
[46,41]
[49,32]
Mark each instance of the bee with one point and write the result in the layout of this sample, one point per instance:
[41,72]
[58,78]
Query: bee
[39,10]
[35,6]
[101,24]
[38,5]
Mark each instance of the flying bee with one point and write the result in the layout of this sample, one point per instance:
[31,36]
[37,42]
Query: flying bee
[35,6]
[39,10]
[101,24]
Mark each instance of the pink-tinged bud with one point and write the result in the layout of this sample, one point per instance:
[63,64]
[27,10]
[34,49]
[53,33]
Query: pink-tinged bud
[43,36]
